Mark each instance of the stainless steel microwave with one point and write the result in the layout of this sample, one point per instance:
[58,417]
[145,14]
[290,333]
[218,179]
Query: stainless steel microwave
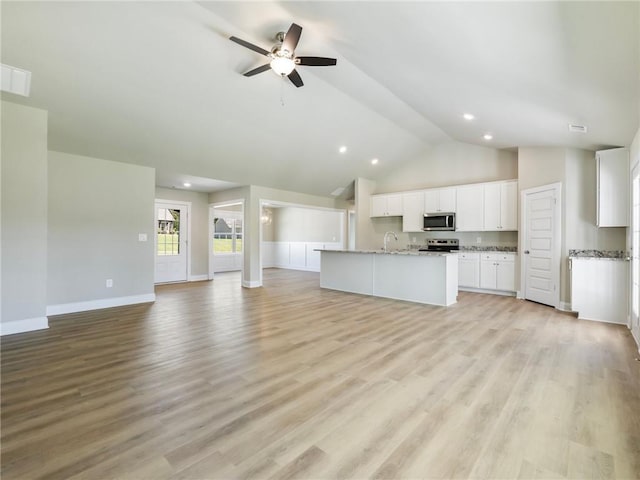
[439,221]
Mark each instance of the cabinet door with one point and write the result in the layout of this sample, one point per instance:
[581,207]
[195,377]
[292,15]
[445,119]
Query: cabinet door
[488,272]
[506,276]
[431,201]
[613,187]
[394,204]
[470,208]
[492,206]
[509,206]
[378,206]
[447,199]
[468,270]
[413,211]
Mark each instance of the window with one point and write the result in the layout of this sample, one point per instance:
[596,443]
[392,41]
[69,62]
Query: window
[168,231]
[227,236]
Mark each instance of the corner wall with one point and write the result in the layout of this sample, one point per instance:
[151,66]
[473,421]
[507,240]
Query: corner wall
[24,219]
[97,209]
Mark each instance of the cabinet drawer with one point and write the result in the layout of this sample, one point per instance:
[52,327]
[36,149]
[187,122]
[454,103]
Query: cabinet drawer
[468,256]
[497,257]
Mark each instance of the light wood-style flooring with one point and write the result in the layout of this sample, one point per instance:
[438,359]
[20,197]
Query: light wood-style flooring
[291,381]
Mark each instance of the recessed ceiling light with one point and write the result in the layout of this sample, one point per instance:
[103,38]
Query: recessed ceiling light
[374,161]
[468,116]
[342,149]
[488,136]
[186,184]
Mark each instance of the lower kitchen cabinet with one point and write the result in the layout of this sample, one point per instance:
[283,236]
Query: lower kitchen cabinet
[487,271]
[498,271]
[469,269]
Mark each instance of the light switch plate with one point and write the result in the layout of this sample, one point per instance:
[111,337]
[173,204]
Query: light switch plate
[142,237]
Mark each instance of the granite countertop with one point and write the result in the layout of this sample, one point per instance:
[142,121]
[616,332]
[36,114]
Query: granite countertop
[487,248]
[618,255]
[411,252]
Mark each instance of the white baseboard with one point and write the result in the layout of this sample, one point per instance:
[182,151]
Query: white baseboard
[253,284]
[64,308]
[504,293]
[519,295]
[301,268]
[199,278]
[26,325]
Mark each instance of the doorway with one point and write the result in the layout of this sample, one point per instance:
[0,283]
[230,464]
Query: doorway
[226,237]
[171,241]
[540,262]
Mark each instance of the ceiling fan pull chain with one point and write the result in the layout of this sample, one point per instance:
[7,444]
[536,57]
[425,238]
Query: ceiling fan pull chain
[282,92]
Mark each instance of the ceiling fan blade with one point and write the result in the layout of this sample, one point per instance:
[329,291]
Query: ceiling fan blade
[315,61]
[292,37]
[258,70]
[248,45]
[295,78]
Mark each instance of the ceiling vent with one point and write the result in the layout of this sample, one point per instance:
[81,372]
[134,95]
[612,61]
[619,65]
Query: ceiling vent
[577,128]
[15,80]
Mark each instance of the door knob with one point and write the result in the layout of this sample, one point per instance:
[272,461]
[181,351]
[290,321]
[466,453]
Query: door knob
[526,252]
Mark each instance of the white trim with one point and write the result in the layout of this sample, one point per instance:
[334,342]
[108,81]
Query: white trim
[26,325]
[199,278]
[599,320]
[253,284]
[565,307]
[519,295]
[155,235]
[506,293]
[557,247]
[100,303]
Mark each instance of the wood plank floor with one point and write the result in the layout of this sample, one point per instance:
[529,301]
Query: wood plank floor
[291,381]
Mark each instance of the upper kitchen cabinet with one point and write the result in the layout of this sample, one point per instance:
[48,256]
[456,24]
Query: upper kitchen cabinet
[470,208]
[440,200]
[501,206]
[613,187]
[413,211]
[386,205]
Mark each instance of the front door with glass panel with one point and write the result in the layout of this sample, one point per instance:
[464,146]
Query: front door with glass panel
[171,243]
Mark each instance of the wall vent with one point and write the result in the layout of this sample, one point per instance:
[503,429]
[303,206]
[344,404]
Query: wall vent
[577,128]
[15,80]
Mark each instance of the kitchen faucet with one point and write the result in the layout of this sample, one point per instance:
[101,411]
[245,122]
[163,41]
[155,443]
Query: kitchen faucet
[385,239]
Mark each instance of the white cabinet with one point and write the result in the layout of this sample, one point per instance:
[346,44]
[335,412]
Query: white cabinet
[386,205]
[501,206]
[497,271]
[469,269]
[440,200]
[599,289]
[613,187]
[470,208]
[412,211]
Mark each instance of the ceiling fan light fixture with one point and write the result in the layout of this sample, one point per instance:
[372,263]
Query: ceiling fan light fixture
[283,66]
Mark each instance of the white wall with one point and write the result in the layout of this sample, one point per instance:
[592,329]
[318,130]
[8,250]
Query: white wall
[452,163]
[199,225]
[24,219]
[97,208]
[293,224]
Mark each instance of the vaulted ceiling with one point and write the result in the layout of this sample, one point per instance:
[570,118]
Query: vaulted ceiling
[160,84]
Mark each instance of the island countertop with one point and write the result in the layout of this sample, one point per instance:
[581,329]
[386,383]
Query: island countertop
[391,252]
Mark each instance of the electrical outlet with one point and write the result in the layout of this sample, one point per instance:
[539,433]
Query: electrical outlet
[142,237]
[478,239]
[413,239]
[109,283]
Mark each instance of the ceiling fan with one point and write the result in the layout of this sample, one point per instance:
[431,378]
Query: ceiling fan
[282,55]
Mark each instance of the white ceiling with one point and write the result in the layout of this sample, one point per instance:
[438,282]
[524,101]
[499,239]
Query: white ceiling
[160,84]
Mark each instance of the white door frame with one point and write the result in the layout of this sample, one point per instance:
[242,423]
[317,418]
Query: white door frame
[210,238]
[633,224]
[188,240]
[557,243]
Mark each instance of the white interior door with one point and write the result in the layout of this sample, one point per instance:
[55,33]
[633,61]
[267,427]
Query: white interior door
[171,242]
[635,251]
[541,241]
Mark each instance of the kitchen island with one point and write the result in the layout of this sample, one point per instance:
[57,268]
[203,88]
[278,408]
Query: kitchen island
[422,277]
